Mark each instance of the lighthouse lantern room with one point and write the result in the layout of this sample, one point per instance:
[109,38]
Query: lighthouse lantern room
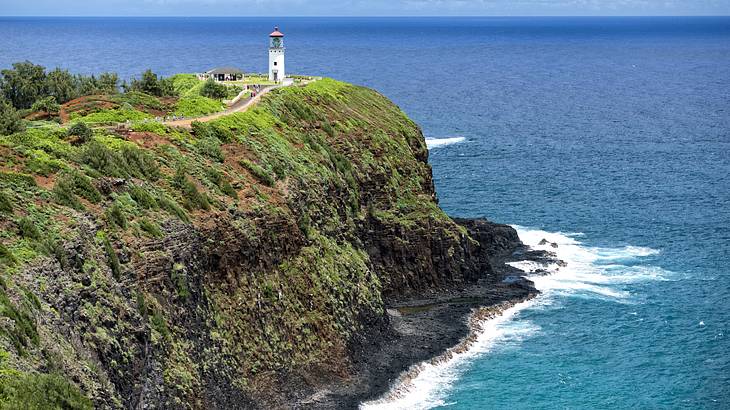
[277,73]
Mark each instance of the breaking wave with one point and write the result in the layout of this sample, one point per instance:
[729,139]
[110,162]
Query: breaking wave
[442,142]
[590,272]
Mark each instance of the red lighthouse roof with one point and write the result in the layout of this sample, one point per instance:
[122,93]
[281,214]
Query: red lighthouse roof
[276,33]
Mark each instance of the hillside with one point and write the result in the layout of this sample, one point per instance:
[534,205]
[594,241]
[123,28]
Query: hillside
[227,266]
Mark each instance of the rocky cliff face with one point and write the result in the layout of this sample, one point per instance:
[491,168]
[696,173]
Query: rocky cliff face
[224,268]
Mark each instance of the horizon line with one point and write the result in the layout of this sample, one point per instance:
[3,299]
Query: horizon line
[375,16]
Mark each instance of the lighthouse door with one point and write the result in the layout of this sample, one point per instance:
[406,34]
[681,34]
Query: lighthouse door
[276,76]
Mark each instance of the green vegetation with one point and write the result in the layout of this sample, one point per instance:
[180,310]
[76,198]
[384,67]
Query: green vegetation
[23,333]
[27,83]
[112,116]
[6,204]
[151,84]
[258,171]
[261,242]
[119,159]
[10,121]
[111,257]
[151,228]
[81,131]
[186,84]
[192,197]
[196,106]
[38,391]
[212,89]
[139,99]
[46,104]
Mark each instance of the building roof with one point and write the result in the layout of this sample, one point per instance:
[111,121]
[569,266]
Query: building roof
[276,33]
[224,70]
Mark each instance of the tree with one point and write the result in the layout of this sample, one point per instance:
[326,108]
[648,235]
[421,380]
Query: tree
[86,85]
[61,84]
[46,104]
[213,90]
[23,84]
[82,131]
[108,83]
[150,84]
[10,121]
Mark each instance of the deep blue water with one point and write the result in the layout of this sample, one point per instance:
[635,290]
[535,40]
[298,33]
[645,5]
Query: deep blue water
[615,130]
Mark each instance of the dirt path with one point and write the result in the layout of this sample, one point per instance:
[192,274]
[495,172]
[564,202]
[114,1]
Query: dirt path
[241,105]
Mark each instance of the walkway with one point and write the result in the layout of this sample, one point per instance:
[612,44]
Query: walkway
[241,105]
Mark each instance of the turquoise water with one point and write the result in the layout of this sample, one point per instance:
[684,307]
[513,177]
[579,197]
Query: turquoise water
[610,136]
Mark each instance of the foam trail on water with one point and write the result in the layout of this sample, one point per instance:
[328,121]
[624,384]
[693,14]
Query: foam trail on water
[442,142]
[590,272]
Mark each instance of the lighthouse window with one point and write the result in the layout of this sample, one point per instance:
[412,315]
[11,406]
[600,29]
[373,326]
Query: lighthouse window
[276,63]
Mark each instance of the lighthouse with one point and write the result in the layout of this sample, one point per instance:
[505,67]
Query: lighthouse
[276,56]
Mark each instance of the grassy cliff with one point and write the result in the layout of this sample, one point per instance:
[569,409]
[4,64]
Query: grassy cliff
[183,268]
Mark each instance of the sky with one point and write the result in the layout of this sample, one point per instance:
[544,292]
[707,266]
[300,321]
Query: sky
[362,7]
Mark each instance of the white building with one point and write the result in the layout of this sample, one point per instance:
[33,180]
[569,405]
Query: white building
[277,73]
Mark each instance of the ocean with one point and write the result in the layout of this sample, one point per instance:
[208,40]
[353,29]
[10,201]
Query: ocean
[608,136]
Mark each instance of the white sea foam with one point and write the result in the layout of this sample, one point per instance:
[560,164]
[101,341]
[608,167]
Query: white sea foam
[442,142]
[591,272]
[428,389]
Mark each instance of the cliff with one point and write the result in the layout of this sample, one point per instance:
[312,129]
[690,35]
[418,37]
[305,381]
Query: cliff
[239,265]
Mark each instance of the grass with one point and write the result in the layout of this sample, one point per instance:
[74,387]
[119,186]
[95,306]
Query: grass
[187,84]
[139,100]
[112,116]
[196,106]
[33,391]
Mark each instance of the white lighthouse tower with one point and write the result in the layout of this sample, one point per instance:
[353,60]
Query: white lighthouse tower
[277,73]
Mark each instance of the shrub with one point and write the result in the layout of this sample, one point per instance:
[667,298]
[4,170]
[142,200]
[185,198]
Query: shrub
[139,99]
[27,229]
[117,216]
[177,275]
[6,205]
[24,331]
[211,148]
[112,258]
[222,133]
[40,391]
[195,106]
[53,247]
[42,163]
[75,183]
[258,172]
[10,121]
[63,193]
[80,130]
[150,228]
[212,89]
[47,104]
[192,198]
[157,321]
[6,256]
[217,178]
[128,162]
[125,113]
[201,129]
[150,126]
[82,186]
[172,207]
[142,197]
